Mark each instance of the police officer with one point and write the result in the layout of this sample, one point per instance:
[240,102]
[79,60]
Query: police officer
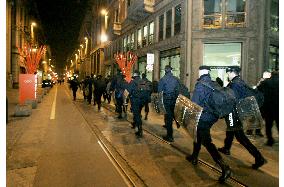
[149,91]
[74,84]
[239,88]
[118,85]
[201,96]
[169,85]
[138,98]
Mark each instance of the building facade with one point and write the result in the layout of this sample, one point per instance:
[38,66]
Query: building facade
[21,20]
[186,34]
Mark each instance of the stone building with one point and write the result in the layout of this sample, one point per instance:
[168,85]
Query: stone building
[21,20]
[186,34]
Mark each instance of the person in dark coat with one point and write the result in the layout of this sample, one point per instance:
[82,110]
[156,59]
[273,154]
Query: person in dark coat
[149,91]
[270,109]
[138,97]
[99,89]
[118,85]
[201,96]
[239,88]
[74,84]
[169,85]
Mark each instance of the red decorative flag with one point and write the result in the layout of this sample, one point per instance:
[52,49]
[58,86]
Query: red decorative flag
[125,63]
[31,57]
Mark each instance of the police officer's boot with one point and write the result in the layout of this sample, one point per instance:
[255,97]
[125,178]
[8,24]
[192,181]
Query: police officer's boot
[226,171]
[146,116]
[139,132]
[193,158]
[259,161]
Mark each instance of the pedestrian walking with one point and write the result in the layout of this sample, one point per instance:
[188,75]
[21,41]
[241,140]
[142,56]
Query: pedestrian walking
[240,90]
[138,94]
[74,84]
[169,85]
[270,109]
[201,96]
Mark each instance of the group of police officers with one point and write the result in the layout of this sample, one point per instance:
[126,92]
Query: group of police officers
[139,92]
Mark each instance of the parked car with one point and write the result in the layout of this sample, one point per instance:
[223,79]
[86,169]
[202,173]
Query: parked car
[46,83]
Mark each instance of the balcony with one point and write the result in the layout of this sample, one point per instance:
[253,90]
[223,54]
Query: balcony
[140,9]
[117,28]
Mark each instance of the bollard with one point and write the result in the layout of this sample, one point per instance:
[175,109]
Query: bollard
[31,102]
[23,110]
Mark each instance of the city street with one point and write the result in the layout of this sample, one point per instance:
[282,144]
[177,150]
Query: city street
[71,143]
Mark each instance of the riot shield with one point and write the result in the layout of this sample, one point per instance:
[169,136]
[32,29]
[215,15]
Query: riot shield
[249,113]
[158,103]
[187,114]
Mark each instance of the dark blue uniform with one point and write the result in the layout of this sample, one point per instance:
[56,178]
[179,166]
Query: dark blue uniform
[239,88]
[169,85]
[201,96]
[138,99]
[118,85]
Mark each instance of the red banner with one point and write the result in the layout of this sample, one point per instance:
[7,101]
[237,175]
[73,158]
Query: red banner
[27,87]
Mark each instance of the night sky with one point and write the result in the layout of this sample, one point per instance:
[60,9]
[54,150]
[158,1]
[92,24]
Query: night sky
[61,21]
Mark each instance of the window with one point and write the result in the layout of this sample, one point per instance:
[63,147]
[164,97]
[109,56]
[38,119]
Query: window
[151,33]
[274,17]
[169,23]
[235,13]
[132,41]
[128,3]
[212,14]
[125,44]
[170,57]
[128,42]
[161,27]
[221,55]
[145,34]
[139,38]
[232,15]
[177,19]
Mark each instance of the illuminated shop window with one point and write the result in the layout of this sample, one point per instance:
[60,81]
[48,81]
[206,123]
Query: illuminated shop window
[221,55]
[170,57]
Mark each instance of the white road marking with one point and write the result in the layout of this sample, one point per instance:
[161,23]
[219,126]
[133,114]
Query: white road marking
[52,114]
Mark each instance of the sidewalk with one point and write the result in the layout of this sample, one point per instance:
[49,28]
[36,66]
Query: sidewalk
[239,155]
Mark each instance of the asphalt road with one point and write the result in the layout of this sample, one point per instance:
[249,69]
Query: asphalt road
[70,154]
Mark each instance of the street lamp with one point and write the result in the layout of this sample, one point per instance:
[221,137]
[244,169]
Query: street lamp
[103,37]
[33,24]
[86,41]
